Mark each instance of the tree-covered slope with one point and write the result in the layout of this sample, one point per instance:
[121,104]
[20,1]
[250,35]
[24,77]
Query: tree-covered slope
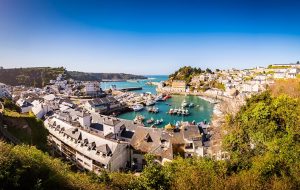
[36,76]
[40,76]
[186,73]
[100,76]
[25,167]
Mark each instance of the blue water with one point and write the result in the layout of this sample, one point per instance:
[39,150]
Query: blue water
[202,110]
[139,83]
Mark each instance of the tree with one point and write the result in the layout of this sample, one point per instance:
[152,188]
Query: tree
[264,136]
[208,70]
[153,177]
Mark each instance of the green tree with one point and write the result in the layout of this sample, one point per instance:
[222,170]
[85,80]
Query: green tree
[153,176]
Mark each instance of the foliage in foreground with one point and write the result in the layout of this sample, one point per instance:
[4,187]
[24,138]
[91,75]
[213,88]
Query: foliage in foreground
[33,134]
[24,167]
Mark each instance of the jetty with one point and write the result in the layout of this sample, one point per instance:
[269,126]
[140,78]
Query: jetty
[129,89]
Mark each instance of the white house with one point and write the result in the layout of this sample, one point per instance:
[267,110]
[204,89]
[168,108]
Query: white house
[91,88]
[24,105]
[246,87]
[39,109]
[279,75]
[4,90]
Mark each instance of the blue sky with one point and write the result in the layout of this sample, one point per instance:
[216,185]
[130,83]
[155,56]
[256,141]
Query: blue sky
[148,37]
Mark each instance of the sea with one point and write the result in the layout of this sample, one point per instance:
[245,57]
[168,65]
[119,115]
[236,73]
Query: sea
[202,110]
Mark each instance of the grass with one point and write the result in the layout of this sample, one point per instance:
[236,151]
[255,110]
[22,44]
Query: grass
[20,134]
[36,135]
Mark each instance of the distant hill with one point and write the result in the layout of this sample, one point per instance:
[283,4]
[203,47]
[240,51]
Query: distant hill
[40,76]
[103,76]
[36,76]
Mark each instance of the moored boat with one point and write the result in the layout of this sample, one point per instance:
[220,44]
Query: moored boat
[137,107]
[149,121]
[184,103]
[159,98]
[150,103]
[139,118]
[158,122]
[167,97]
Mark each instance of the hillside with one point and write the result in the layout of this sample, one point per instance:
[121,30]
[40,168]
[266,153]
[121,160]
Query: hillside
[102,76]
[40,76]
[37,76]
[186,73]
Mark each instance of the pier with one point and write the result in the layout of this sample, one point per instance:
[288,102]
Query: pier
[129,89]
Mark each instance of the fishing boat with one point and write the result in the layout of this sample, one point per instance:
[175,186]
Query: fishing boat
[153,109]
[158,122]
[149,121]
[167,97]
[179,111]
[184,103]
[186,112]
[137,107]
[139,118]
[150,103]
[175,111]
[158,98]
[171,111]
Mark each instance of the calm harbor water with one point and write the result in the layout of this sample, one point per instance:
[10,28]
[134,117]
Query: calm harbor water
[202,110]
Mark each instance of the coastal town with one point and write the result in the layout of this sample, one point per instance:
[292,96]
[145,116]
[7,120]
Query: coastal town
[84,127]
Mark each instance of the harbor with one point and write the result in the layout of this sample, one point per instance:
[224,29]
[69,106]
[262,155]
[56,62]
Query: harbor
[157,111]
[201,111]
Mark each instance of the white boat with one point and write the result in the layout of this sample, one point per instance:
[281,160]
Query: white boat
[137,107]
[158,122]
[179,112]
[159,98]
[175,110]
[171,111]
[150,103]
[191,105]
[184,104]
[186,112]
[153,109]
[150,121]
[139,118]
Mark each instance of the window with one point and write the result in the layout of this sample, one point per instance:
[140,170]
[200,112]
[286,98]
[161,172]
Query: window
[135,160]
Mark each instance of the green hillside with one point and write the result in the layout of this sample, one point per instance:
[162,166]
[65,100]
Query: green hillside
[100,76]
[36,76]
[40,76]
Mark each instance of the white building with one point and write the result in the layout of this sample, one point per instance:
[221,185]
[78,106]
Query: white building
[24,105]
[279,75]
[91,88]
[87,150]
[4,90]
[246,87]
[39,109]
